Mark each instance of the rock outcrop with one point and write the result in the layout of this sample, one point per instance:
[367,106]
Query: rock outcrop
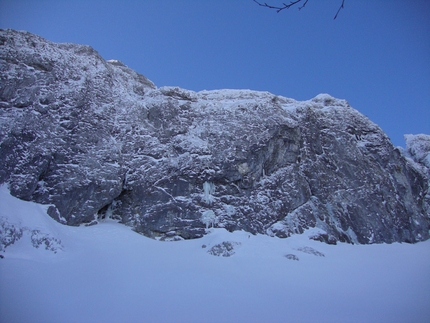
[95,139]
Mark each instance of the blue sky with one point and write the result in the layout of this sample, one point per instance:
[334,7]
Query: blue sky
[376,54]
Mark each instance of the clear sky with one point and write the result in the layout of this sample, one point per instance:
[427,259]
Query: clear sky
[376,54]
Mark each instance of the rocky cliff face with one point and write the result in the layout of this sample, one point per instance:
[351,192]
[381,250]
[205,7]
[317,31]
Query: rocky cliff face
[95,139]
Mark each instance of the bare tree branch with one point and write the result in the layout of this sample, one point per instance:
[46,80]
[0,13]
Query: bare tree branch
[340,8]
[292,3]
[285,6]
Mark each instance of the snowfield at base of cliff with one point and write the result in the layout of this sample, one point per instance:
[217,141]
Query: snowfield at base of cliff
[108,273]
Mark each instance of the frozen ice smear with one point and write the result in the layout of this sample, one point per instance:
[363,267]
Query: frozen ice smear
[108,273]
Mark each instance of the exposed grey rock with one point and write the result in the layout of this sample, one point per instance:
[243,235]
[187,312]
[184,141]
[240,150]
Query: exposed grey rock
[292,257]
[224,249]
[97,140]
[323,237]
[418,148]
[9,233]
[43,239]
[311,251]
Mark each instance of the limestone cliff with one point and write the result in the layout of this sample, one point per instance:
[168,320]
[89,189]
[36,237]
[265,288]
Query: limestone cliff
[95,139]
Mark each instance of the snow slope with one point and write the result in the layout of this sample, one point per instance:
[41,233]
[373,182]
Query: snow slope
[108,273]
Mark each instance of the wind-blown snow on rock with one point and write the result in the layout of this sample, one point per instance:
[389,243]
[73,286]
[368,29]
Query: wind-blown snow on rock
[95,139]
[418,147]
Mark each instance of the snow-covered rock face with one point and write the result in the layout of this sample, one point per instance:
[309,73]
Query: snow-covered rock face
[95,139]
[418,147]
